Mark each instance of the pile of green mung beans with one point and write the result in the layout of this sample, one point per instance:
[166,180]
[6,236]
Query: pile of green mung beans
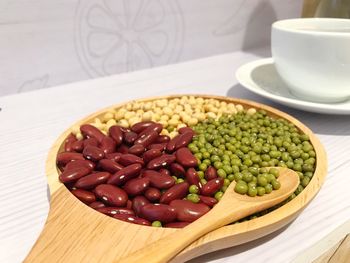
[242,145]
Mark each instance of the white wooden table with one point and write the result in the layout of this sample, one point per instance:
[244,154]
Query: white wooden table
[30,123]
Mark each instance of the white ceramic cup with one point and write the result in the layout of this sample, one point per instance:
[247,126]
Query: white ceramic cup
[312,55]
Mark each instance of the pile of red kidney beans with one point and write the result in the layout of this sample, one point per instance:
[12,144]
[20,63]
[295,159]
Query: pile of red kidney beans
[128,174]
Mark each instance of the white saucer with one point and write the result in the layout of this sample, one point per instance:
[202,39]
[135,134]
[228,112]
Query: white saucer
[261,77]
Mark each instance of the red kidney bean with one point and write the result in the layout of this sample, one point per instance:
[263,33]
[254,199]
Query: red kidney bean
[210,173]
[66,157]
[163,139]
[129,204]
[140,126]
[80,163]
[123,149]
[73,174]
[93,153]
[138,202]
[178,191]
[130,137]
[113,156]
[77,146]
[164,172]
[127,159]
[212,186]
[158,212]
[68,143]
[137,149]
[110,166]
[111,211]
[125,174]
[153,194]
[147,139]
[136,186]
[116,133]
[85,196]
[111,195]
[89,130]
[108,145]
[209,201]
[91,180]
[177,224]
[184,140]
[177,170]
[157,127]
[144,184]
[161,161]
[97,204]
[70,186]
[170,147]
[132,219]
[160,146]
[188,211]
[125,129]
[151,154]
[186,158]
[159,180]
[192,177]
[186,129]
[90,141]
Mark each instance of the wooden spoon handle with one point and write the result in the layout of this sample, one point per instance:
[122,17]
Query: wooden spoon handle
[231,208]
[166,248]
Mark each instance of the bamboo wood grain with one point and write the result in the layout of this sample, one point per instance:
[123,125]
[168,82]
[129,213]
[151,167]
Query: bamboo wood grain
[324,258]
[342,254]
[339,253]
[76,233]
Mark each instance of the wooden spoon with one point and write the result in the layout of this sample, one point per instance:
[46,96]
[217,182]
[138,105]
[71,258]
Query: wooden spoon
[232,207]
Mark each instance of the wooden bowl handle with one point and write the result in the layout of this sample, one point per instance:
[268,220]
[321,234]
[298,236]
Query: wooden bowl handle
[58,233]
[74,232]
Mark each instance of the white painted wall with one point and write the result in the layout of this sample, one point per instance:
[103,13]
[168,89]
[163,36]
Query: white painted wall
[44,43]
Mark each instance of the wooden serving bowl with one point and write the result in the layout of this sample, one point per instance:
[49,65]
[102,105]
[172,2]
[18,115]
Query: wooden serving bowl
[74,232]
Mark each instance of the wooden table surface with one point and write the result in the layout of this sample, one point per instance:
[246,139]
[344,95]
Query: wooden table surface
[30,123]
